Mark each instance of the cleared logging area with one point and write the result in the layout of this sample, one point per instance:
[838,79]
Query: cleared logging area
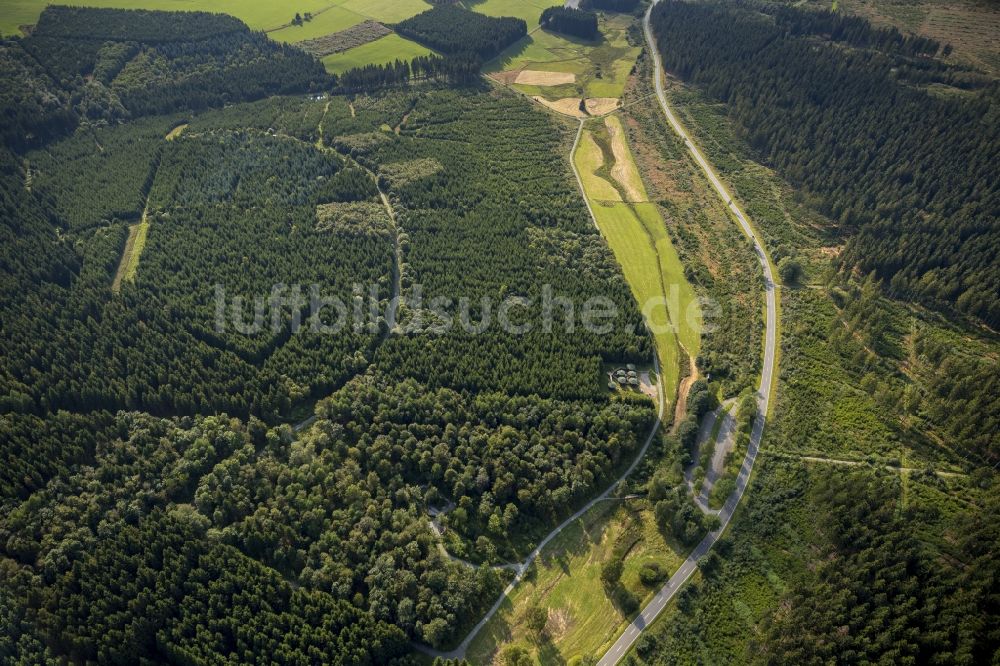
[338,42]
[130,257]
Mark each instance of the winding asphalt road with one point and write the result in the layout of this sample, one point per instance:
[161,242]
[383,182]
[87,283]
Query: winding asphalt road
[666,593]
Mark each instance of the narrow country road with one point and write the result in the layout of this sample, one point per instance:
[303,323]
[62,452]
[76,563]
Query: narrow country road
[666,593]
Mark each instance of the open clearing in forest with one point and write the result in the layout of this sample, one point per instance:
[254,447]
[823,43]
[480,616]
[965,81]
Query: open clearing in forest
[344,40]
[384,50]
[176,132]
[598,106]
[589,159]
[129,263]
[600,67]
[624,171]
[637,234]
[631,245]
[566,584]
[534,77]
[569,106]
[971,27]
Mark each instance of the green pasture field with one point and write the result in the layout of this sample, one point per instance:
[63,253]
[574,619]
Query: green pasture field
[529,10]
[331,20]
[687,315]
[329,17]
[134,245]
[629,241]
[258,14]
[625,170]
[589,161]
[383,50]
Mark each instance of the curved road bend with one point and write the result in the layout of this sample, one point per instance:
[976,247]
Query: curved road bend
[666,593]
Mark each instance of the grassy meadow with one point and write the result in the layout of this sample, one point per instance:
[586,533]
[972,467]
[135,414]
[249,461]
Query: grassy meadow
[333,19]
[134,245]
[582,614]
[636,233]
[258,14]
[383,50]
[628,240]
[529,10]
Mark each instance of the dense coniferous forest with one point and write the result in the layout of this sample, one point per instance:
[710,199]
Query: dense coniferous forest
[812,91]
[188,477]
[573,22]
[610,5]
[150,506]
[127,573]
[455,30]
[454,69]
[86,63]
[135,25]
[231,222]
[99,173]
[448,186]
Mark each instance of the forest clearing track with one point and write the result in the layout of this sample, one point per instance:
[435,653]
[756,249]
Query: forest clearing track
[397,263]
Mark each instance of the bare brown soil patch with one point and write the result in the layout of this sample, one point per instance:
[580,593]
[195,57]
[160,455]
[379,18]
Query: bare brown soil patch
[507,77]
[534,77]
[646,385]
[598,106]
[569,106]
[682,394]
[558,624]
